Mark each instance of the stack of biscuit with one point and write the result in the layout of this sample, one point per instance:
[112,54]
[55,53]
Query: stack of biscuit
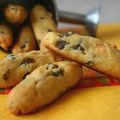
[20,26]
[43,72]
[55,67]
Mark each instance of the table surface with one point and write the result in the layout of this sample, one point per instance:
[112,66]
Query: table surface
[109,8]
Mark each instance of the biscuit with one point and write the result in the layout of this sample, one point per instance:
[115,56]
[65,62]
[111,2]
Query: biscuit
[42,23]
[15,14]
[6,37]
[89,51]
[43,85]
[14,68]
[26,41]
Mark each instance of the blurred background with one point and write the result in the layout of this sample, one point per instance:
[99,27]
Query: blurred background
[109,8]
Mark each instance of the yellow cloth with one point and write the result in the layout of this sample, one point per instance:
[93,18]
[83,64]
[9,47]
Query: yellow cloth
[110,33]
[100,103]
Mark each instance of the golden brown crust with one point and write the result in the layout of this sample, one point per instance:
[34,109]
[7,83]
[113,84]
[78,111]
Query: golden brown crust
[6,37]
[26,41]
[14,68]
[89,51]
[15,14]
[43,85]
[42,23]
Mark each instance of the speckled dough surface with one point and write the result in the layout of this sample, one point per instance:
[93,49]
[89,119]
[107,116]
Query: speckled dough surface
[91,52]
[43,85]
[6,37]
[26,41]
[14,68]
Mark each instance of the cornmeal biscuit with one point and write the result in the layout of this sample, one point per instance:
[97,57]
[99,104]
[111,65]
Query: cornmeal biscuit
[89,51]
[14,68]
[43,85]
[15,14]
[42,23]
[26,41]
[6,37]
